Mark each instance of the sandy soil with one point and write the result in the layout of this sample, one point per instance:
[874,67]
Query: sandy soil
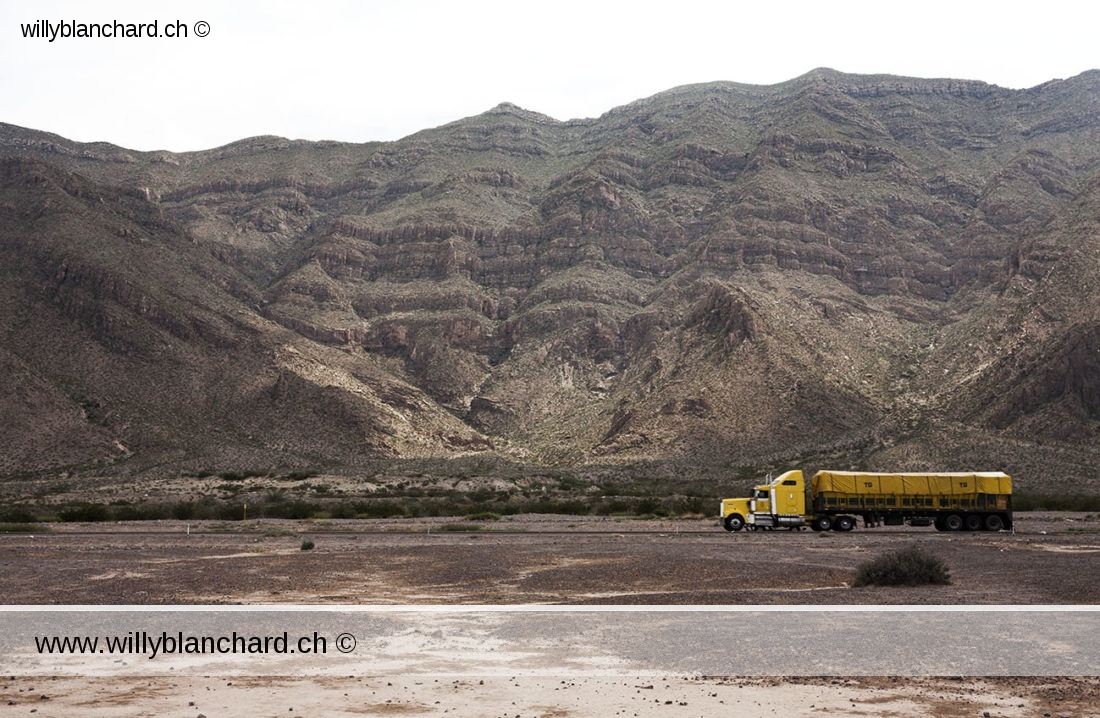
[1049,559]
[672,697]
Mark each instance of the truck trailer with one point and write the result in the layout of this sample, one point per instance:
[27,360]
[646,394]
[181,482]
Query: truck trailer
[836,500]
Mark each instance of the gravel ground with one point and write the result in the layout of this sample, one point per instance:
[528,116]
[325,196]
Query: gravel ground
[1049,559]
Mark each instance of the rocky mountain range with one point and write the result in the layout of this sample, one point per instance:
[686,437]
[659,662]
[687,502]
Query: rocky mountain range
[838,270]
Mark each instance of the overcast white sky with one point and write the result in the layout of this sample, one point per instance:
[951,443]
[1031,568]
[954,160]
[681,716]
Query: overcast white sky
[361,71]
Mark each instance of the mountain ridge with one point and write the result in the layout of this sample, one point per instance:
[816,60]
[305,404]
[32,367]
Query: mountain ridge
[720,273]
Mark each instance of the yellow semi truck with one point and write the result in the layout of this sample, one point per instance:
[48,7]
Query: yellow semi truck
[836,500]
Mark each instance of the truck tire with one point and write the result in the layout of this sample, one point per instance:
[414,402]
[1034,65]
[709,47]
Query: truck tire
[822,523]
[844,523]
[938,523]
[994,522]
[734,522]
[952,522]
[973,522]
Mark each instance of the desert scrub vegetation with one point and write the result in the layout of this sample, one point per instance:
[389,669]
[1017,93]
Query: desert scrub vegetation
[1029,501]
[909,566]
[483,516]
[25,528]
[225,498]
[277,505]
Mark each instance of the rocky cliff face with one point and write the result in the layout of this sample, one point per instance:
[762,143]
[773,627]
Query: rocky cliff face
[875,269]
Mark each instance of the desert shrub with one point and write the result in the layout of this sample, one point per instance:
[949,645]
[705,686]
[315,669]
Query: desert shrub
[342,511]
[17,515]
[563,506]
[613,506]
[484,516]
[228,512]
[85,513]
[382,510]
[21,528]
[908,566]
[691,505]
[481,495]
[1027,501]
[307,545]
[183,510]
[290,510]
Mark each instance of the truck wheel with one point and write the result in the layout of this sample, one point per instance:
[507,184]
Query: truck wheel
[822,523]
[952,522]
[844,523]
[973,522]
[994,522]
[735,522]
[938,523]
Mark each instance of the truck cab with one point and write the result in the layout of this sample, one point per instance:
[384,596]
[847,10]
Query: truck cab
[781,502]
[733,513]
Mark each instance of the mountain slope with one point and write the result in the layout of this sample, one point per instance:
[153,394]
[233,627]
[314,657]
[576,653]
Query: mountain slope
[868,270]
[127,341]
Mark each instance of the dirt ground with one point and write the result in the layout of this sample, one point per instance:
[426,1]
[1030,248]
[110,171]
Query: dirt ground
[1051,558]
[671,697]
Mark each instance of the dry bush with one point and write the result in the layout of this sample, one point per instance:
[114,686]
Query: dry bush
[908,566]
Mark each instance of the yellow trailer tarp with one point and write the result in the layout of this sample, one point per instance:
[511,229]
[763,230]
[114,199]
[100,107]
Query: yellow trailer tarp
[911,484]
